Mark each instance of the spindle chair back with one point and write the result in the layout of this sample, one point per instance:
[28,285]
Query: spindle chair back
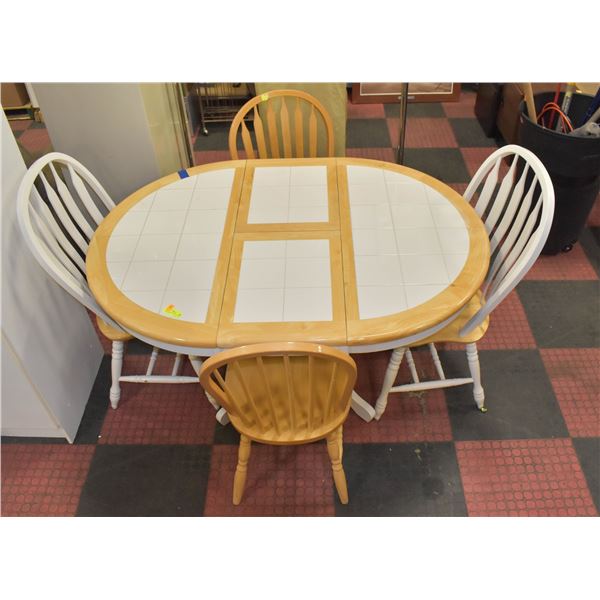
[283,393]
[286,124]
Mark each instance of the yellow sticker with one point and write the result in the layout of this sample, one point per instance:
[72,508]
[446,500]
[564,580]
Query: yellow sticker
[264,97]
[171,310]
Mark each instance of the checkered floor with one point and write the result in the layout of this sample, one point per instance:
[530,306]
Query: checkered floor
[535,452]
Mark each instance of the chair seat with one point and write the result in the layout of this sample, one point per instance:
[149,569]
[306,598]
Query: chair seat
[450,333]
[114,335]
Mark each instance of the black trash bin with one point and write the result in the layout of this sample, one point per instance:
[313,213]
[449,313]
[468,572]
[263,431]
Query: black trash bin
[573,164]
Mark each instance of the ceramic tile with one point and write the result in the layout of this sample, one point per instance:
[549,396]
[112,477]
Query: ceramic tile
[204,221]
[314,175]
[308,195]
[149,300]
[259,305]
[424,269]
[364,175]
[307,272]
[308,214]
[378,270]
[371,216]
[306,248]
[266,249]
[262,273]
[308,304]
[199,246]
[156,247]
[454,265]
[446,216]
[145,204]
[147,276]
[210,198]
[453,240]
[367,194]
[269,205]
[393,177]
[409,216]
[434,197]
[121,247]
[192,275]
[418,241]
[132,223]
[374,241]
[378,301]
[411,193]
[172,199]
[268,176]
[417,294]
[192,304]
[165,222]
[221,178]
[117,271]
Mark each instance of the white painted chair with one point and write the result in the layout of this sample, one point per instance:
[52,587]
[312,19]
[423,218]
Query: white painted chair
[517,212]
[58,215]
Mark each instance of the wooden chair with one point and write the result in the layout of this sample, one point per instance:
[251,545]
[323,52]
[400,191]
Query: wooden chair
[285,112]
[58,217]
[517,213]
[284,393]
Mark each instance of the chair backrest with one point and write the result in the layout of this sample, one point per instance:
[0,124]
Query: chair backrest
[517,212]
[58,215]
[279,120]
[286,392]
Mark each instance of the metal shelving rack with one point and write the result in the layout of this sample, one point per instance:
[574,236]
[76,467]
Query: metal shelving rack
[220,102]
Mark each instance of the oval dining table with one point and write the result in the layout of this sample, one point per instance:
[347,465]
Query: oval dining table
[359,254]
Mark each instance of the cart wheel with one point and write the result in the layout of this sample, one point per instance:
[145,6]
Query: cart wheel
[204,131]
[567,248]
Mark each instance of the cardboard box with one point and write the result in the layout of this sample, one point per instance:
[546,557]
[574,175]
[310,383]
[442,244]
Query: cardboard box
[14,95]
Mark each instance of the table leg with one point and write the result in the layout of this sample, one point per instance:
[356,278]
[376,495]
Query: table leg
[362,408]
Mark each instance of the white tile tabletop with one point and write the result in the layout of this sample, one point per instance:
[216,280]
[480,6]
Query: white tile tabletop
[394,243]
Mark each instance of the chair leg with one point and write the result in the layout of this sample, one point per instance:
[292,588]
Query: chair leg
[473,360]
[388,381]
[335,450]
[116,366]
[239,480]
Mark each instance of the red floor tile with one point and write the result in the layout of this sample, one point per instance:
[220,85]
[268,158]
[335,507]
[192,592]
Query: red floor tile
[365,111]
[523,478]
[36,141]
[424,133]
[282,481]
[159,413]
[465,107]
[508,329]
[474,157]
[202,157]
[563,266]
[387,154]
[43,479]
[461,188]
[575,377]
[409,417]
[20,125]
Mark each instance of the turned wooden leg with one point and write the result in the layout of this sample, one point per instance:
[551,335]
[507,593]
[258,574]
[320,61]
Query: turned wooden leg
[334,448]
[473,360]
[239,481]
[116,366]
[388,381]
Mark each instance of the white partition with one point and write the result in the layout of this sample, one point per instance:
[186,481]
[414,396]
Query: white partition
[50,351]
